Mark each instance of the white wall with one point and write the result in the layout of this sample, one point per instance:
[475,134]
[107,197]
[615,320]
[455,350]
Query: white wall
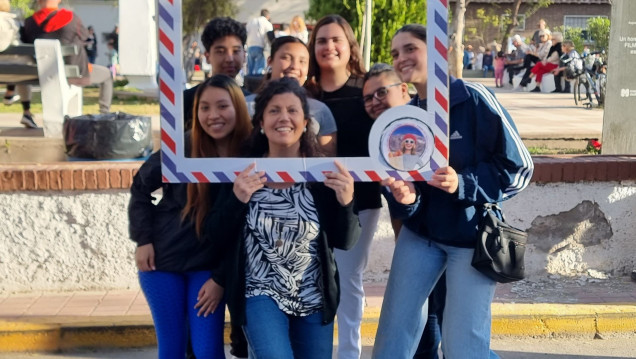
[77,240]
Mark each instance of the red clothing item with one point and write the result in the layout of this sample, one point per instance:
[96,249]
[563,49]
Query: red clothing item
[541,69]
[62,18]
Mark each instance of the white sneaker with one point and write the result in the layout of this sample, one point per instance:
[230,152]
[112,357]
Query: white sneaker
[11,100]
[28,122]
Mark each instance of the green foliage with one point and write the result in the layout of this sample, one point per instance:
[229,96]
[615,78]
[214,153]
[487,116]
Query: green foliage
[388,17]
[599,28]
[197,13]
[25,7]
[572,33]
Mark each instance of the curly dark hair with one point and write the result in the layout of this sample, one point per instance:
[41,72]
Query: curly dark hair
[258,145]
[220,27]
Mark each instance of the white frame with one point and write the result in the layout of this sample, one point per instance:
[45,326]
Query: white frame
[176,167]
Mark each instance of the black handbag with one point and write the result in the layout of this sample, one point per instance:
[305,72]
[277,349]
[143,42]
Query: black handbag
[500,247]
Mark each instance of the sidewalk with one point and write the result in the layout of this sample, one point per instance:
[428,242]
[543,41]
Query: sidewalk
[121,319]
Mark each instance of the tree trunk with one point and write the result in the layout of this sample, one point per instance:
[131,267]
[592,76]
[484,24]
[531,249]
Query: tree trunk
[508,32]
[456,56]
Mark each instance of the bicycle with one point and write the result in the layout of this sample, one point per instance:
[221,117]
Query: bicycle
[594,75]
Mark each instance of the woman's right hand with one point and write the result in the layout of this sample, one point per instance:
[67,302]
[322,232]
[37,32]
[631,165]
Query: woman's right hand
[403,191]
[145,257]
[246,183]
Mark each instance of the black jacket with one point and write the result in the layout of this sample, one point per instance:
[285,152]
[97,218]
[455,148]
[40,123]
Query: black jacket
[177,248]
[339,228]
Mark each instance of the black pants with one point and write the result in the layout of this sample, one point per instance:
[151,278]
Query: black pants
[512,71]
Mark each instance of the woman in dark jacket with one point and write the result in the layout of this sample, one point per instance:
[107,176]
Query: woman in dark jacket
[282,281]
[177,270]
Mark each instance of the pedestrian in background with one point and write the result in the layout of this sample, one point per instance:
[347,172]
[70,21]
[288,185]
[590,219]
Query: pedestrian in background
[91,45]
[257,29]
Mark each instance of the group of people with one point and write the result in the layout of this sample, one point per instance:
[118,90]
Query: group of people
[52,22]
[547,53]
[287,258]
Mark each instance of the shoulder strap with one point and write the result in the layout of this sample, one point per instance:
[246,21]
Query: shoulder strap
[48,18]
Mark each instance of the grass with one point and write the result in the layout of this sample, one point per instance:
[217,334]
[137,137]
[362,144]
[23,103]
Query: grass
[130,104]
[543,150]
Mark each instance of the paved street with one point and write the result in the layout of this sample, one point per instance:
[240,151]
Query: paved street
[528,348]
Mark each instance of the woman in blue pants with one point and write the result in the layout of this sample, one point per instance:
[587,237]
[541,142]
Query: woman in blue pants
[178,270]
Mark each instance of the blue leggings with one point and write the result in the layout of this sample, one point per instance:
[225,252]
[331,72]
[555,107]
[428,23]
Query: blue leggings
[171,297]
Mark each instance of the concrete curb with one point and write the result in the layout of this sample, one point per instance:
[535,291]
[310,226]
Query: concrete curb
[512,320]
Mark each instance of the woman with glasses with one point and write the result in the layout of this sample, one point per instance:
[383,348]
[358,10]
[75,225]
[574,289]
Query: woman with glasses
[335,77]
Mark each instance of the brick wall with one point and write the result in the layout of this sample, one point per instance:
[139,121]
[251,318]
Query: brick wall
[553,15]
[67,176]
[118,175]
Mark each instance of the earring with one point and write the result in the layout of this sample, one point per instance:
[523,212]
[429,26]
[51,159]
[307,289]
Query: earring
[262,131]
[304,129]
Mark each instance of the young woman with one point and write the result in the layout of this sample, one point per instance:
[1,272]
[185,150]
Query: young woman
[290,58]
[177,269]
[489,163]
[335,77]
[282,283]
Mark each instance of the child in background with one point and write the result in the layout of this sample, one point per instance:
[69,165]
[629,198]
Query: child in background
[499,69]
[113,58]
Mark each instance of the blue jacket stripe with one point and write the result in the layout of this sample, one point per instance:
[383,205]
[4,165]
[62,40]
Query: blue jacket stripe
[522,177]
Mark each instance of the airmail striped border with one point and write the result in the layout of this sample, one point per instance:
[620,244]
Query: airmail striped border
[176,167]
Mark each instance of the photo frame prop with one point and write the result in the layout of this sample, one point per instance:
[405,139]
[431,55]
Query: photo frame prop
[178,168]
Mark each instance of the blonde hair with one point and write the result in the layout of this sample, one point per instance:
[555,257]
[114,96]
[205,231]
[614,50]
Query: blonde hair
[297,24]
[5,6]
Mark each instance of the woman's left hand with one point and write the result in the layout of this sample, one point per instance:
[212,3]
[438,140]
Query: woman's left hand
[342,183]
[209,297]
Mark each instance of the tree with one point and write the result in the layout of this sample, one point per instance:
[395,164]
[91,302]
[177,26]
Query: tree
[25,7]
[456,55]
[512,16]
[197,13]
[388,17]
[599,28]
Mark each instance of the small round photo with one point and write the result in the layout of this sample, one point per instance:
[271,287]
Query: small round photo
[407,144]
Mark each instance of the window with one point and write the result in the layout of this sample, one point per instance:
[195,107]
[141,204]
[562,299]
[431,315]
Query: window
[521,20]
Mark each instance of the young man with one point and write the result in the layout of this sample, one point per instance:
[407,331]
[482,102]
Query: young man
[224,41]
[51,22]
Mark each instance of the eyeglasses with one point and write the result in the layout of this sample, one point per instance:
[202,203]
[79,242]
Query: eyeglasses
[380,94]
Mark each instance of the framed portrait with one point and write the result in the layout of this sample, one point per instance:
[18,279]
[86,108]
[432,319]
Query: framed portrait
[392,153]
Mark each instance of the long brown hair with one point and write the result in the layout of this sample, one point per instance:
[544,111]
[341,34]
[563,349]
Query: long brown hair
[354,66]
[203,145]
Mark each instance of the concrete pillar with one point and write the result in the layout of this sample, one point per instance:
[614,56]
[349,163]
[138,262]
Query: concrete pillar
[619,121]
[138,43]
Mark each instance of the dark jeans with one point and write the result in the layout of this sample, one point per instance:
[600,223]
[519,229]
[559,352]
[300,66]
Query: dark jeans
[512,71]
